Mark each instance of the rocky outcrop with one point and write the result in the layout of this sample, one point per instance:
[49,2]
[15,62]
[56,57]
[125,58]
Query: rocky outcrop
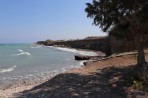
[108,45]
[90,43]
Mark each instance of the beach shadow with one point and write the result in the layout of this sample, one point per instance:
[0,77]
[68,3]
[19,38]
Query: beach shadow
[106,83]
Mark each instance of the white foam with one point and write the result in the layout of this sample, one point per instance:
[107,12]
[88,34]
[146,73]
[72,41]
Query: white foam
[7,70]
[87,53]
[67,49]
[20,50]
[22,53]
[36,46]
[82,63]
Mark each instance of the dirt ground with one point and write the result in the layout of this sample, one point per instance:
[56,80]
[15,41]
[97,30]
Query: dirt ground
[100,79]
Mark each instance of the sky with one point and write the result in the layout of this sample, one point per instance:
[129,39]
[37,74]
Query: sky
[28,21]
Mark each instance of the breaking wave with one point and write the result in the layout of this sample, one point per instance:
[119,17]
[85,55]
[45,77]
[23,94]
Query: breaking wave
[7,70]
[36,46]
[22,53]
[87,53]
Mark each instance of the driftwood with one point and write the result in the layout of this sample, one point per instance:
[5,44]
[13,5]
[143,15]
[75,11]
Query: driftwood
[119,55]
[112,56]
[92,59]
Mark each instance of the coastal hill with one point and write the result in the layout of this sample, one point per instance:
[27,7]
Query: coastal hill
[107,44]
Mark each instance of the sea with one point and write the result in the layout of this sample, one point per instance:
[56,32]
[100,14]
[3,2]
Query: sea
[31,63]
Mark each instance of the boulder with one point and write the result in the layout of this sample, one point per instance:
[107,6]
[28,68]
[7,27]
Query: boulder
[81,57]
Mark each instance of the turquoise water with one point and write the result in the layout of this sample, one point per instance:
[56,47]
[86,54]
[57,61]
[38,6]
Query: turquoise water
[21,63]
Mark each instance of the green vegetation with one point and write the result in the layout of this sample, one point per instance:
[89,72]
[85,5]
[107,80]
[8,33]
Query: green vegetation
[126,19]
[135,82]
[47,42]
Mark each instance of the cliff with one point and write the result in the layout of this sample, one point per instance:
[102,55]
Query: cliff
[108,45]
[90,43]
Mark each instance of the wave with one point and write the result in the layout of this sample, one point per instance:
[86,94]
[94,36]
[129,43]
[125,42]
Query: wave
[22,53]
[87,53]
[36,46]
[36,77]
[20,50]
[7,70]
[82,63]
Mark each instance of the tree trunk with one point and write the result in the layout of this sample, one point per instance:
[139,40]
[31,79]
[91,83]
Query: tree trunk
[108,47]
[141,57]
[142,67]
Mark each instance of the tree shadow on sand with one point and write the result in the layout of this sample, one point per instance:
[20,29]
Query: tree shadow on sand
[106,83]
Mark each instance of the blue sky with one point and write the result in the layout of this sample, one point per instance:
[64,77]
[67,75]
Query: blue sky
[27,21]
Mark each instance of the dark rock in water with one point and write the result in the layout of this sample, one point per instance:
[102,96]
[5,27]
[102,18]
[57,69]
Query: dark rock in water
[81,57]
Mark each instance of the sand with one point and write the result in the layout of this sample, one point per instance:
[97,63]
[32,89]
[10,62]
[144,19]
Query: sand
[100,79]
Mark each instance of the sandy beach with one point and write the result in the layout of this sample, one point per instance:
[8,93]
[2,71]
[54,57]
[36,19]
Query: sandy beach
[100,79]
[74,49]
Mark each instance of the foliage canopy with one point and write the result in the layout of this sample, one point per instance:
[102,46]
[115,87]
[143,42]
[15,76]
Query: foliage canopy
[109,14]
[122,19]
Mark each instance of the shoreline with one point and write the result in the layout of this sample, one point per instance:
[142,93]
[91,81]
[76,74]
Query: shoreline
[70,76]
[64,69]
[80,50]
[12,89]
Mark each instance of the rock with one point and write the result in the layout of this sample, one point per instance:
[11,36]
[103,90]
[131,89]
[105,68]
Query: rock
[81,57]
